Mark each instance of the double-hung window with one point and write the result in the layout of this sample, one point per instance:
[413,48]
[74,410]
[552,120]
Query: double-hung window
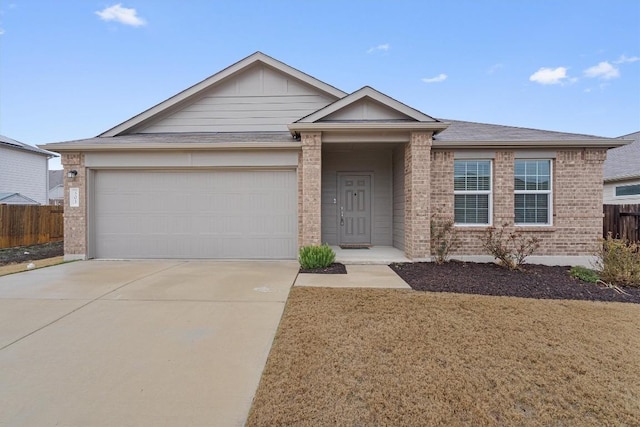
[532,202]
[472,192]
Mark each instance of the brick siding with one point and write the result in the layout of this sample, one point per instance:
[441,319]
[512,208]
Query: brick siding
[577,201]
[309,189]
[75,219]
[417,179]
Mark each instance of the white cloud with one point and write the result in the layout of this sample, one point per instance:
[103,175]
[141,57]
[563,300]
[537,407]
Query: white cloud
[437,79]
[494,68]
[123,15]
[1,31]
[624,59]
[549,76]
[603,70]
[380,48]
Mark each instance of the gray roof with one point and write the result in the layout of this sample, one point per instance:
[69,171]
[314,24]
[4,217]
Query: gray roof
[16,198]
[185,138]
[55,178]
[8,142]
[471,131]
[623,162]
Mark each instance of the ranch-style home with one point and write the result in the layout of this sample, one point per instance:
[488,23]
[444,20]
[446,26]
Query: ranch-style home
[261,158]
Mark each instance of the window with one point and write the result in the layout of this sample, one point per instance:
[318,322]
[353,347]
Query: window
[532,192]
[472,192]
[628,190]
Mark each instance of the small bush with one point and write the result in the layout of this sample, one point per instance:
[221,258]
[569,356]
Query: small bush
[311,257]
[584,274]
[444,237]
[510,249]
[618,262]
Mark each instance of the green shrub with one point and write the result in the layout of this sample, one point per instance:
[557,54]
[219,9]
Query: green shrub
[311,257]
[618,262]
[584,274]
[444,238]
[510,249]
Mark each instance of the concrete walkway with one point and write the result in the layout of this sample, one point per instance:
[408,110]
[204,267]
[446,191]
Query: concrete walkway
[358,276]
[139,343]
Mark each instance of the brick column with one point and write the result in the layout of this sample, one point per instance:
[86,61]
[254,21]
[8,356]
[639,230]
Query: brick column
[309,190]
[75,218]
[417,167]
[503,188]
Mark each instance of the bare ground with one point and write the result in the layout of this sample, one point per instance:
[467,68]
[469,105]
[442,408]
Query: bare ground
[393,357]
[31,253]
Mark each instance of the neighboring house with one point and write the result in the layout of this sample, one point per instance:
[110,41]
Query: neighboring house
[622,173]
[16,199]
[260,159]
[56,187]
[24,170]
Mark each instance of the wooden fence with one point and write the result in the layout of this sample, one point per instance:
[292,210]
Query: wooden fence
[622,221]
[22,225]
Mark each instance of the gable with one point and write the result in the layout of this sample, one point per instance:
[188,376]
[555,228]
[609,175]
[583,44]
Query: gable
[262,94]
[259,98]
[367,104]
[366,109]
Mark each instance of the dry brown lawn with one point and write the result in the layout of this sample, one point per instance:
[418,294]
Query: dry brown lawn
[404,358]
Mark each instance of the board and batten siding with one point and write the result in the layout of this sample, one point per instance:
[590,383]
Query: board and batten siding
[398,197]
[24,172]
[259,99]
[374,161]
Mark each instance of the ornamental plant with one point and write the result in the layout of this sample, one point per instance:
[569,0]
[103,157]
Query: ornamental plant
[618,262]
[316,256]
[509,248]
[444,238]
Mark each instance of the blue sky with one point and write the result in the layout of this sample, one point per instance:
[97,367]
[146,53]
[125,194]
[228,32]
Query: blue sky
[72,69]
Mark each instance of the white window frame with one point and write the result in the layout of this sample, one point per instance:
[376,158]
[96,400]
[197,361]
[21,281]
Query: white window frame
[476,192]
[548,192]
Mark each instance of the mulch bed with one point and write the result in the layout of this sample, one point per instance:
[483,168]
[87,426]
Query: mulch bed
[31,253]
[335,268]
[534,281]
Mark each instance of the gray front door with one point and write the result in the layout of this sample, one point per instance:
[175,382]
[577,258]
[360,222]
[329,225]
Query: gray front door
[354,204]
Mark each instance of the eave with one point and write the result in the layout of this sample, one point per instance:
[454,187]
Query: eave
[586,143]
[435,127]
[61,147]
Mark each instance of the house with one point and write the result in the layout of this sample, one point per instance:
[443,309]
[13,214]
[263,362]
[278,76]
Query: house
[622,173]
[16,199]
[261,158]
[56,187]
[23,170]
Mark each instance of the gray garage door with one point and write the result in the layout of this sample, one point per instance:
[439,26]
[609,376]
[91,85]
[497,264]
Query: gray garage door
[195,214]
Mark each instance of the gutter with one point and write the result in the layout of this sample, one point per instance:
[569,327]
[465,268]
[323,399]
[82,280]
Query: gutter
[577,143]
[159,146]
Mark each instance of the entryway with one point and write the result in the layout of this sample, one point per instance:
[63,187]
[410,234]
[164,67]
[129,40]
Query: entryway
[354,202]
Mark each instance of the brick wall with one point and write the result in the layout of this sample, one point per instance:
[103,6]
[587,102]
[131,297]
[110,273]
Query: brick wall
[577,201]
[417,177]
[310,192]
[75,219]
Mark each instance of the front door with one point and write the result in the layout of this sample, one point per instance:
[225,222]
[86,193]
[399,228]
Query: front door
[354,204]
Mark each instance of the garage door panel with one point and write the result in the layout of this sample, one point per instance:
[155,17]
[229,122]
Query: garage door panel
[195,214]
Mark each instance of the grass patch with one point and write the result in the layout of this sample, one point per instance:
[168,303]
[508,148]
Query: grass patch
[395,357]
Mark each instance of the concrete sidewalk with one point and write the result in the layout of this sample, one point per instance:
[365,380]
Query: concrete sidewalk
[358,276]
[137,343]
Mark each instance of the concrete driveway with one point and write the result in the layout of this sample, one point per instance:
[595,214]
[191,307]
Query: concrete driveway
[137,343]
